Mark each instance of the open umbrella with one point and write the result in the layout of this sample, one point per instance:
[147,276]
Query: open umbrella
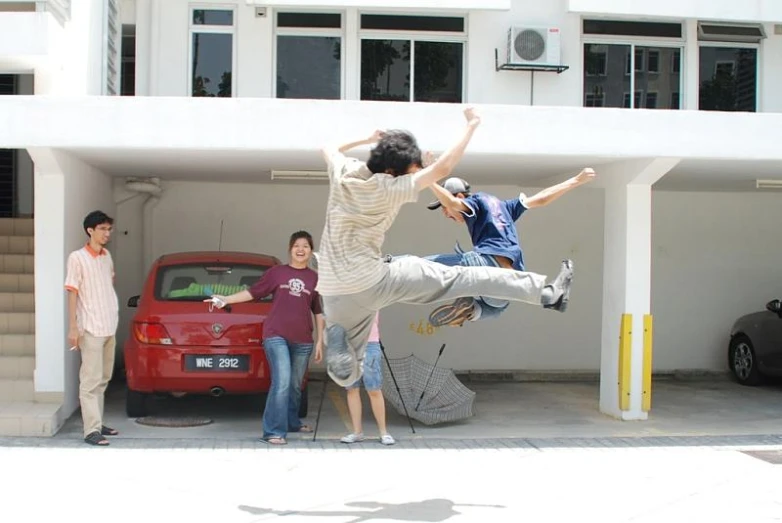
[425,392]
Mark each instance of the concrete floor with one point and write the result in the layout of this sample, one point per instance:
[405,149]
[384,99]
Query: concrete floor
[502,410]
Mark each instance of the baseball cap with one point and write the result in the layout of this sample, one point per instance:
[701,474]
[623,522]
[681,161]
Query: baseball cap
[454,186]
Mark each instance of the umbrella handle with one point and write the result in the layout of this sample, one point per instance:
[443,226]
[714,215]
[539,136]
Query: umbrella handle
[430,377]
[320,408]
[391,371]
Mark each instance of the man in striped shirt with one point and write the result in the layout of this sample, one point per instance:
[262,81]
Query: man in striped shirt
[354,278]
[93,314]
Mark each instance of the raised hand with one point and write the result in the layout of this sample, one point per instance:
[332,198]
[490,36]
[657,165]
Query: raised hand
[586,175]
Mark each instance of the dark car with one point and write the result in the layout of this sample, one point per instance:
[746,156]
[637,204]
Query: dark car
[755,349]
[180,345]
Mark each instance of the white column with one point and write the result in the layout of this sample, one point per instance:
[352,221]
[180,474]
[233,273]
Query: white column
[690,67]
[50,301]
[351,55]
[143,41]
[627,276]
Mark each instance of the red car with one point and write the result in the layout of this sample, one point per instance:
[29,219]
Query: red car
[177,345]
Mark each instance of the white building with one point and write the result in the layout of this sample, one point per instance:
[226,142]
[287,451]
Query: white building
[221,93]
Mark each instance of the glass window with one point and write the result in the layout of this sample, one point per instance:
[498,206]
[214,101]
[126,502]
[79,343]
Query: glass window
[319,20]
[385,70]
[197,281]
[413,23]
[728,79]
[656,84]
[212,53]
[438,72]
[212,64]
[604,74]
[623,28]
[386,67]
[608,82]
[213,17]
[309,56]
[309,67]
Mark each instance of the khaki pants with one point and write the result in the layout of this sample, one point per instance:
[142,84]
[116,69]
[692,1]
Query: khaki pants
[97,365]
[417,281]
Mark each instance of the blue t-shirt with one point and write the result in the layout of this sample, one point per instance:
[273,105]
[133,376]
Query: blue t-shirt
[492,226]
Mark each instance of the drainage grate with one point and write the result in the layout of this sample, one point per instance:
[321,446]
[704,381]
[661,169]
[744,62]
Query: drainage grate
[769,456]
[158,421]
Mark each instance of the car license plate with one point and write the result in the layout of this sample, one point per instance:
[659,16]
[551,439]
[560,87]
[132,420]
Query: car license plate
[217,362]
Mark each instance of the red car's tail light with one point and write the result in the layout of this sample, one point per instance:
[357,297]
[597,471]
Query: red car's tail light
[151,333]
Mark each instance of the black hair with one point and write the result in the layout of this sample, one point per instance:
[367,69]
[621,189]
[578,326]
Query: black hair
[395,153]
[95,218]
[298,235]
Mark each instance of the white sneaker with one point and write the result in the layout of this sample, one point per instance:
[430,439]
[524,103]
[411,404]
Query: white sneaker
[352,438]
[387,439]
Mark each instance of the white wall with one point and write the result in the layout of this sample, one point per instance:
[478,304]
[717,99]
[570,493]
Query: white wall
[726,254]
[743,11]
[723,264]
[66,191]
[260,218]
[167,35]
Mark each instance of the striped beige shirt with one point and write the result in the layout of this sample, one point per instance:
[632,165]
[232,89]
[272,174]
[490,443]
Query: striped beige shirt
[361,208]
[91,275]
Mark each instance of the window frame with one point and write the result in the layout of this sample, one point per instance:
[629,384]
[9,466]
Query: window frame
[735,45]
[310,31]
[634,42]
[413,37]
[212,29]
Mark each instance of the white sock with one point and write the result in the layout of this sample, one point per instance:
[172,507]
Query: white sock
[476,312]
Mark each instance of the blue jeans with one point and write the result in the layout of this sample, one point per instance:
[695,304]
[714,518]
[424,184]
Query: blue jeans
[373,369]
[287,363]
[489,307]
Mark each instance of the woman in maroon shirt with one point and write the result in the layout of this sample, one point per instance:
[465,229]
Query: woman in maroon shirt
[287,335]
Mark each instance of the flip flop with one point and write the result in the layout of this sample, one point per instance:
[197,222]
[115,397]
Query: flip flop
[95,438]
[108,431]
[275,441]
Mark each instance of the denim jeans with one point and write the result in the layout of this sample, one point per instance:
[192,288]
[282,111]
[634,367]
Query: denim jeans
[287,363]
[489,307]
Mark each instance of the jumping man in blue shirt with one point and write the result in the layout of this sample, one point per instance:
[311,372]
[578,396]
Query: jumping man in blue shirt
[491,222]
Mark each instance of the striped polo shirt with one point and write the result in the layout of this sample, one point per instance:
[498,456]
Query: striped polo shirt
[91,275]
[361,208]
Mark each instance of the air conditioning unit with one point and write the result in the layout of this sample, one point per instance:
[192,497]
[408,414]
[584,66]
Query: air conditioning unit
[534,45]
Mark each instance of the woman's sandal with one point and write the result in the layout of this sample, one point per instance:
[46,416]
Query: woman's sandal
[95,438]
[275,441]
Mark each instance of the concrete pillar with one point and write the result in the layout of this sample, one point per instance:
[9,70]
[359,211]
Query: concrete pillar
[143,44]
[690,67]
[50,305]
[627,280]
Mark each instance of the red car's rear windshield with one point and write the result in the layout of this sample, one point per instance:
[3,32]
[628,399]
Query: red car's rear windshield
[198,281]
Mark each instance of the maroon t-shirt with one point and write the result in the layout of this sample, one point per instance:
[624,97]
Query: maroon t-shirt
[295,300]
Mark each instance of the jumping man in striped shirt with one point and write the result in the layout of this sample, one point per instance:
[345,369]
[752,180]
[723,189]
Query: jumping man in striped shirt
[355,279]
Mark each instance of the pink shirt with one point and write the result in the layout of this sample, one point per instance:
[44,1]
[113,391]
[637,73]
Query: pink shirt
[91,276]
[374,334]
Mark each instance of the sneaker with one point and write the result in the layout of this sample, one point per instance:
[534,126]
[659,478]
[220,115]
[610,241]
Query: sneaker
[453,314]
[561,287]
[387,439]
[340,358]
[352,438]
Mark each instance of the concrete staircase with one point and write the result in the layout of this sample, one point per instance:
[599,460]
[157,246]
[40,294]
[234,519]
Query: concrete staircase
[22,413]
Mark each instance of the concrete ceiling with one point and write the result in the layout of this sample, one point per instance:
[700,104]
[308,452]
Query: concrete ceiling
[255,166]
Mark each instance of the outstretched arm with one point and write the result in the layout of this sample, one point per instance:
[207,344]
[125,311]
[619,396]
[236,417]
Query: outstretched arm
[448,200]
[546,196]
[443,166]
[329,151]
